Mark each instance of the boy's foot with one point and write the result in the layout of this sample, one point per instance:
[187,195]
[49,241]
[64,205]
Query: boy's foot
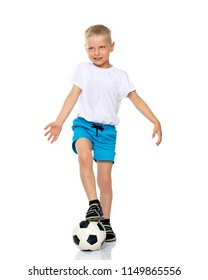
[94,212]
[110,234]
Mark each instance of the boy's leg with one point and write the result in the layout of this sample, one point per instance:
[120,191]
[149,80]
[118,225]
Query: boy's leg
[105,184]
[104,169]
[84,150]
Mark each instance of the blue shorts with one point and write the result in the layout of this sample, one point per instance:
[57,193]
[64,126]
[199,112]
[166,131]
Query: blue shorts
[102,137]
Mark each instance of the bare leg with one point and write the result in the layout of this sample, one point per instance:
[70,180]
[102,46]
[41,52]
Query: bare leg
[84,150]
[104,169]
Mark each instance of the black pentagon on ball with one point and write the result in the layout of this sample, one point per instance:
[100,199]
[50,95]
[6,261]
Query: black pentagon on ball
[100,226]
[92,239]
[84,224]
[76,239]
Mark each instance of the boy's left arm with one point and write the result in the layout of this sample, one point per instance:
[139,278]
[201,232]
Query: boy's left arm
[145,110]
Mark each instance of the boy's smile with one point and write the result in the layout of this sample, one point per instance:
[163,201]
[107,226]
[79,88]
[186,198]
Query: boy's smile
[98,48]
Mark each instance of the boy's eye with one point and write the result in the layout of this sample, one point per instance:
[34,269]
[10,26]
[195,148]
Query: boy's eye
[92,48]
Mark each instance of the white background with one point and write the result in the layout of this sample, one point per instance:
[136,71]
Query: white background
[160,203]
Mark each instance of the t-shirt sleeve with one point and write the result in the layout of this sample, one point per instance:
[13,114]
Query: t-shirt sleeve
[126,86]
[76,76]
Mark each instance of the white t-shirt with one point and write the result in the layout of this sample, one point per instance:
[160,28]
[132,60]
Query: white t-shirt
[102,92]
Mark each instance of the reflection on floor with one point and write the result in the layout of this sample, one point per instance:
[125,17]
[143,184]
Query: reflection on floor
[103,254]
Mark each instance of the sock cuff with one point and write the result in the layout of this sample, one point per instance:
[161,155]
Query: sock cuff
[94,201]
[106,221]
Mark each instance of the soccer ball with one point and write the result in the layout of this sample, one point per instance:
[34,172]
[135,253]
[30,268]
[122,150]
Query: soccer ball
[89,235]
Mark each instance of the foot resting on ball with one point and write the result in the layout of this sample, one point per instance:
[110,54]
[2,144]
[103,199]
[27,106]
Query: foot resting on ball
[94,212]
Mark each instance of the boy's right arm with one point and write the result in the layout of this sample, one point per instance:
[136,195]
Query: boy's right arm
[54,128]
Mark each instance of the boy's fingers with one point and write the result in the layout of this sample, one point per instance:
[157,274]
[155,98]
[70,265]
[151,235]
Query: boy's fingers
[47,132]
[158,142]
[154,133]
[46,127]
[54,139]
[49,138]
[159,139]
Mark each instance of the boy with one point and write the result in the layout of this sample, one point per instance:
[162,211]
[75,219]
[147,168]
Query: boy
[100,87]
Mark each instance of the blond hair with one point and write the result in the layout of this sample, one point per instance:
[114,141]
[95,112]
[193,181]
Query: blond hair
[98,29]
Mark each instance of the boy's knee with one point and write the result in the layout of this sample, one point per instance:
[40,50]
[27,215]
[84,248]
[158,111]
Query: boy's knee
[105,182]
[85,158]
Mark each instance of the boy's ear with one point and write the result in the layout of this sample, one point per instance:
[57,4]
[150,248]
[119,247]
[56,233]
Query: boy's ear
[112,46]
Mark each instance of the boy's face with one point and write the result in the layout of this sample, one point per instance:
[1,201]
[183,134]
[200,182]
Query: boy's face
[98,49]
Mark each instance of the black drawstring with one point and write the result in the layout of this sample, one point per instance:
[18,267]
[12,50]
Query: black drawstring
[97,127]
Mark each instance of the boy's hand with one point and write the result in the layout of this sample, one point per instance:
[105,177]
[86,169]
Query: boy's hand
[53,130]
[157,130]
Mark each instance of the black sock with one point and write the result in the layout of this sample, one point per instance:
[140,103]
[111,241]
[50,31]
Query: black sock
[106,222]
[94,201]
